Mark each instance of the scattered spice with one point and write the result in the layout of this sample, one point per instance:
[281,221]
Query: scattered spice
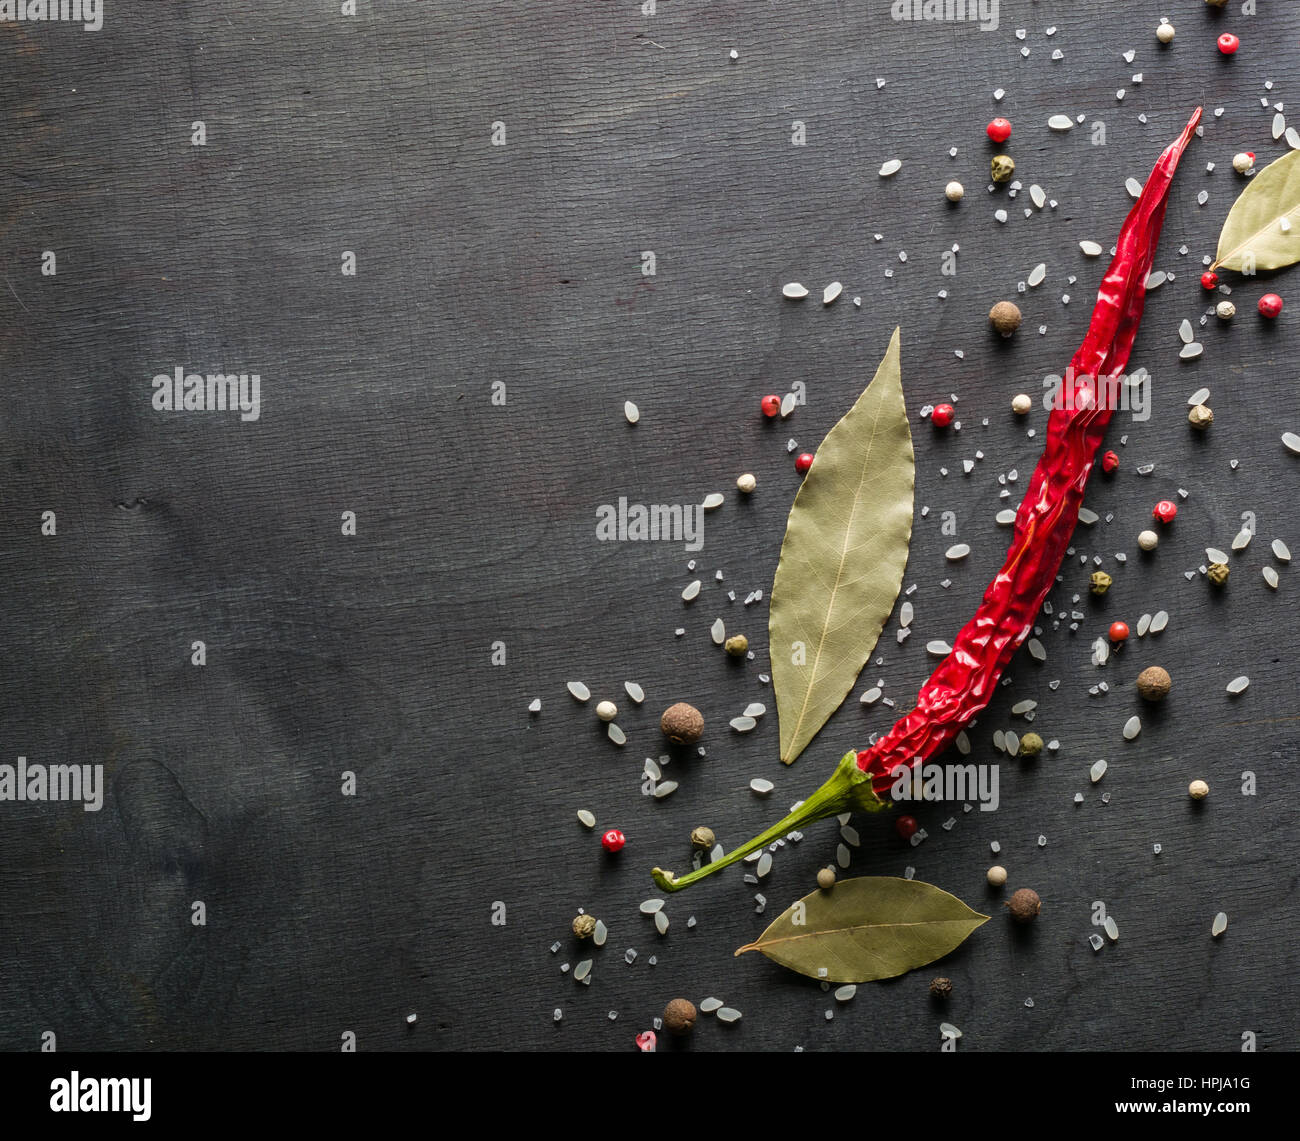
[746,484]
[1118,631]
[1165,33]
[770,405]
[964,682]
[584,926]
[906,826]
[1148,540]
[1031,744]
[1198,790]
[1242,161]
[679,1016]
[826,879]
[1225,310]
[1110,463]
[613,840]
[1218,573]
[682,724]
[954,191]
[802,462]
[1209,279]
[1002,167]
[943,415]
[1100,582]
[1005,317]
[607,711]
[1021,404]
[703,838]
[996,875]
[1024,905]
[1200,417]
[1228,43]
[737,645]
[1154,683]
[941,988]
[999,130]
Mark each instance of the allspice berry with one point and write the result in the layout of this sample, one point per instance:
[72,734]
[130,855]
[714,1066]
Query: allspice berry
[1154,683]
[1200,417]
[1218,573]
[682,724]
[584,925]
[826,879]
[1024,905]
[737,645]
[703,838]
[1031,744]
[1100,582]
[940,987]
[1005,317]
[679,1016]
[1003,167]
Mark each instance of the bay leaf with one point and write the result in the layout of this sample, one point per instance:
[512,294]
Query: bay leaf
[873,927]
[843,558]
[1264,222]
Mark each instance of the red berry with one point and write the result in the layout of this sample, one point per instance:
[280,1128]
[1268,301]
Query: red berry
[1209,279]
[906,826]
[802,462]
[1251,156]
[1119,632]
[1165,510]
[771,405]
[1228,43]
[1270,305]
[999,130]
[1109,462]
[613,840]
[942,415]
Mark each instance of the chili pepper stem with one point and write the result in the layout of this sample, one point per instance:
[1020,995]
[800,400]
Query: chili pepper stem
[849,788]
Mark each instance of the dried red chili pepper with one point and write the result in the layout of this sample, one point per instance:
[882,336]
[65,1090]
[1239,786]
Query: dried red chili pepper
[964,682]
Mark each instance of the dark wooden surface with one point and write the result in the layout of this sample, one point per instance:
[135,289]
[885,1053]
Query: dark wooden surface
[521,264]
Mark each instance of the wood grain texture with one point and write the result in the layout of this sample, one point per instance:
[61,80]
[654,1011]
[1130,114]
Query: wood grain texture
[476,522]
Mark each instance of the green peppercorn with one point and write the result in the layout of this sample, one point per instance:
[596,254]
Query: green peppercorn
[1218,573]
[1031,744]
[1003,167]
[737,645]
[703,838]
[584,926]
[1100,582]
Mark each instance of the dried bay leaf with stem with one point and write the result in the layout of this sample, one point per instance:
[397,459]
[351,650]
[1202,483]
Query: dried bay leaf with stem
[873,927]
[843,558]
[1263,227]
